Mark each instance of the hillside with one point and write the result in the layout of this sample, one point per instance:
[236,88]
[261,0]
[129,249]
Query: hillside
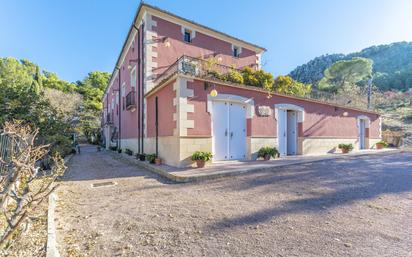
[392,66]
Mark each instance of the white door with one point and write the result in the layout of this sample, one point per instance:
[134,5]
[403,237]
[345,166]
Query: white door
[282,128]
[361,134]
[229,131]
[291,132]
[237,131]
[220,119]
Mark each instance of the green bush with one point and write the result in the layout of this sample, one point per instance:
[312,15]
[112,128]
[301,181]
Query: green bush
[233,76]
[201,156]
[266,150]
[348,147]
[151,157]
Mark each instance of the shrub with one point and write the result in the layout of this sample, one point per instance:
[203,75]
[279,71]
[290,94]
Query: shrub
[201,156]
[348,147]
[233,76]
[128,151]
[113,148]
[151,157]
[383,143]
[266,150]
[119,150]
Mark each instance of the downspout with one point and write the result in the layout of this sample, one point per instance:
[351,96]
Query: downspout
[138,89]
[157,126]
[120,111]
[143,70]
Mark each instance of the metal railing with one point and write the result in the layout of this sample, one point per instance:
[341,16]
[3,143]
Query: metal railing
[9,147]
[130,100]
[208,70]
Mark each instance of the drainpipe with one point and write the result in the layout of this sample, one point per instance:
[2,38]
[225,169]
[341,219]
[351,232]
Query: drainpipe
[138,89]
[142,94]
[157,126]
[120,109]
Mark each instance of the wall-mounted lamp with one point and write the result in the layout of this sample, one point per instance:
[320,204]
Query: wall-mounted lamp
[213,93]
[345,114]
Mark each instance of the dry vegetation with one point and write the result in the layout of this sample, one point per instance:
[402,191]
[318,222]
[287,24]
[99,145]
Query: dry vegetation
[24,189]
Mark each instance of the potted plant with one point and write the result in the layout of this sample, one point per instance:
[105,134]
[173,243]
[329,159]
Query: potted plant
[99,148]
[381,144]
[142,157]
[266,152]
[128,151]
[119,150]
[345,148]
[151,158]
[158,161]
[201,158]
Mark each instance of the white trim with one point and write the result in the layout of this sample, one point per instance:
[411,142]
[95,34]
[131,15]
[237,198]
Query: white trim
[124,89]
[300,110]
[133,85]
[363,117]
[249,102]
[192,31]
[239,48]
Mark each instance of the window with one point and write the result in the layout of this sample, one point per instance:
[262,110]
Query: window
[188,36]
[236,51]
[133,78]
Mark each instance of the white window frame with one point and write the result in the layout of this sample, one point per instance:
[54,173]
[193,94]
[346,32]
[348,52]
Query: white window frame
[133,77]
[239,51]
[192,33]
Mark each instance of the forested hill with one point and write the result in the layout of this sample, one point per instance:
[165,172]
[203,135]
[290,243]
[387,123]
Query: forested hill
[392,66]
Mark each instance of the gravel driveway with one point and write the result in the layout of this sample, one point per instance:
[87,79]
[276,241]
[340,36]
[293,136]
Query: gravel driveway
[360,206]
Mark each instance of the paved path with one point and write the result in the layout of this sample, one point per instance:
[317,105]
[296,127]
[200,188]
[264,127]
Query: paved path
[234,168]
[348,207]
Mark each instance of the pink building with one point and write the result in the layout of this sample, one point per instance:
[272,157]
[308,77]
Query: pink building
[159,99]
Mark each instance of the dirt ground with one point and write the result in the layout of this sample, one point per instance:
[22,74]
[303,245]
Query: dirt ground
[360,206]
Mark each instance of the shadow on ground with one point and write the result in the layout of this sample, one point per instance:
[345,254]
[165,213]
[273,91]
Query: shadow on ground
[346,181]
[91,164]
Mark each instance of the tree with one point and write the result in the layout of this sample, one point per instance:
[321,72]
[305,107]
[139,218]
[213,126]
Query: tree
[92,89]
[24,186]
[344,75]
[286,85]
[22,98]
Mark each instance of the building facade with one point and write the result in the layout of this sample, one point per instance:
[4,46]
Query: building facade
[159,99]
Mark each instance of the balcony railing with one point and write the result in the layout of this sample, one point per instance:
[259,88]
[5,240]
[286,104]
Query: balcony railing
[131,100]
[205,69]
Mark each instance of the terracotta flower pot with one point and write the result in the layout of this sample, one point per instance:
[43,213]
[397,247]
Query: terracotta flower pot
[379,146]
[200,163]
[266,157]
[344,150]
[158,161]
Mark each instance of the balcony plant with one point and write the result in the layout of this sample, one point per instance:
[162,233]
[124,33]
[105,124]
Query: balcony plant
[201,158]
[345,148]
[381,144]
[266,152]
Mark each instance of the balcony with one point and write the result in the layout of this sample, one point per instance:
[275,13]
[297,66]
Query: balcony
[209,70]
[131,101]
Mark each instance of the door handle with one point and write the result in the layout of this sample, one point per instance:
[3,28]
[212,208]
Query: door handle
[231,134]
[226,133]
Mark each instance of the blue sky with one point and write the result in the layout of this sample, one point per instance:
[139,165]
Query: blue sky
[73,37]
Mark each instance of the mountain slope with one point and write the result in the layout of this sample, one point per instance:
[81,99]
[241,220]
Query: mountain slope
[392,66]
